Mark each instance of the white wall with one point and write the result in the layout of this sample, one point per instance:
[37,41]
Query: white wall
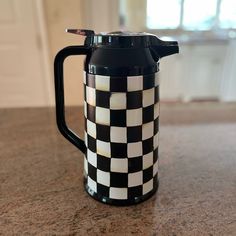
[24,77]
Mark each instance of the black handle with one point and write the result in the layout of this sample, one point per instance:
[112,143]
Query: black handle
[59,93]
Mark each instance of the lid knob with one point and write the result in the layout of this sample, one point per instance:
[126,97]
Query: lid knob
[83,32]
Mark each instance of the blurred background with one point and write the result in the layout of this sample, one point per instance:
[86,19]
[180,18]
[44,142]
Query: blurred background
[32,32]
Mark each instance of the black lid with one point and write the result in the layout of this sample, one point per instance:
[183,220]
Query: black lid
[119,39]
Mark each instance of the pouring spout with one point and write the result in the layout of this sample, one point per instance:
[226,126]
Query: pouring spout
[162,48]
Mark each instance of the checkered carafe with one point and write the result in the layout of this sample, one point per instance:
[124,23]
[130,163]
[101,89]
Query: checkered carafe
[121,136]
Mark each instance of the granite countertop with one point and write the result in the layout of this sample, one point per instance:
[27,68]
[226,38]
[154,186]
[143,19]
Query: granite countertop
[41,176]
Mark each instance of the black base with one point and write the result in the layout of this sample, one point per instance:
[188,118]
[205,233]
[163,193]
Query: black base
[116,202]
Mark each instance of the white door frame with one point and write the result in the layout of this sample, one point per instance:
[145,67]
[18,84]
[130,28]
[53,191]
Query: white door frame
[45,56]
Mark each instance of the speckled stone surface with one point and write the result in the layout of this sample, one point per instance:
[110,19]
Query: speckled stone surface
[41,191]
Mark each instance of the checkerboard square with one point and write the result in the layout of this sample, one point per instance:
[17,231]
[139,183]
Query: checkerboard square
[92,158]
[102,99]
[155,141]
[85,95]
[156,125]
[103,177]
[91,129]
[102,116]
[135,164]
[134,192]
[90,95]
[85,109]
[118,84]
[103,132]
[135,179]
[103,148]
[91,113]
[134,100]
[85,166]
[92,143]
[92,172]
[84,77]
[102,82]
[134,134]
[92,184]
[148,97]
[118,101]
[148,81]
[85,139]
[90,80]
[118,118]
[147,187]
[157,80]
[135,149]
[156,94]
[147,145]
[103,163]
[103,190]
[119,150]
[156,110]
[147,130]
[119,165]
[118,193]
[85,124]
[155,180]
[118,134]
[147,160]
[147,174]
[134,117]
[155,155]
[135,83]
[119,179]
[148,114]
[155,168]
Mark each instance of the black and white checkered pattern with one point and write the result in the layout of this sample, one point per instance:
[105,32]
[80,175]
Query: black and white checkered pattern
[121,135]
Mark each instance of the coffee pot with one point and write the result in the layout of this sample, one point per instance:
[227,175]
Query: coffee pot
[121,111]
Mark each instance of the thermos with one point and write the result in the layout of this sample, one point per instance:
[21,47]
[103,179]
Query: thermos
[121,111]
